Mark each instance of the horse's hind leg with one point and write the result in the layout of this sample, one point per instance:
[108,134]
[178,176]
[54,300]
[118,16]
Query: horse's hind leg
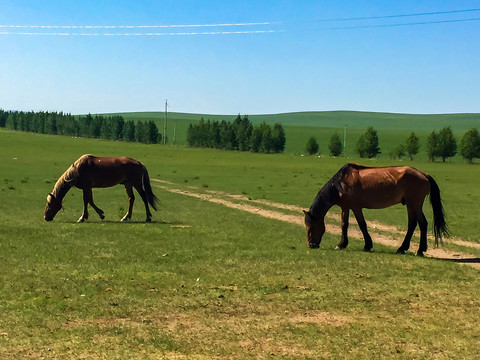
[131,200]
[140,190]
[412,224]
[423,224]
[363,227]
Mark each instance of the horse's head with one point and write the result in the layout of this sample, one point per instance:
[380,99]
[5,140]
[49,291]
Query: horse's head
[315,229]
[52,208]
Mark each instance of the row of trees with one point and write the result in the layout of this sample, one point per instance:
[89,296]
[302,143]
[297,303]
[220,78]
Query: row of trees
[98,126]
[240,135]
[444,145]
[335,146]
[440,144]
[367,145]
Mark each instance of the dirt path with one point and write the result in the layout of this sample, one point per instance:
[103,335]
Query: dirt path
[393,239]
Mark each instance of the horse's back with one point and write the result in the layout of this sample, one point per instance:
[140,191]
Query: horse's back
[387,175]
[96,171]
[111,161]
[380,187]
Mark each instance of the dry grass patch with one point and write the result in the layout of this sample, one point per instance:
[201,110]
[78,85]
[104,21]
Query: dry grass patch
[238,329]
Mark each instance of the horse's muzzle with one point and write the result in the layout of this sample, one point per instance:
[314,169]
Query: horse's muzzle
[48,218]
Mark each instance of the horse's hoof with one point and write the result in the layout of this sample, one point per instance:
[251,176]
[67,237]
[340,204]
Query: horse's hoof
[102,217]
[401,251]
[148,220]
[339,248]
[420,253]
[367,249]
[81,220]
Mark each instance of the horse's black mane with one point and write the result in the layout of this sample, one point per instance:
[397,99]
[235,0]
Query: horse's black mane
[330,192]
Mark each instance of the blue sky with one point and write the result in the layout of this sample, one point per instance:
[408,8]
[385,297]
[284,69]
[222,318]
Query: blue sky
[290,58]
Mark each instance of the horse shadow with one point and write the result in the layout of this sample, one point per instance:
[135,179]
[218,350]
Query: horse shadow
[111,222]
[463,261]
[472,260]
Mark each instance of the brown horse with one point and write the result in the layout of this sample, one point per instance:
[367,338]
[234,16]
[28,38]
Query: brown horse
[355,187]
[90,171]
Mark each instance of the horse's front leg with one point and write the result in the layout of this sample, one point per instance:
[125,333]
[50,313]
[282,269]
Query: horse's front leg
[88,197]
[363,227]
[86,200]
[344,241]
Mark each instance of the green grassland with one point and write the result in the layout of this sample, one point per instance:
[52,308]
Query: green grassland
[204,281]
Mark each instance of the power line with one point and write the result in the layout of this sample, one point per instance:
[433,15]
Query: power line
[396,16]
[402,24]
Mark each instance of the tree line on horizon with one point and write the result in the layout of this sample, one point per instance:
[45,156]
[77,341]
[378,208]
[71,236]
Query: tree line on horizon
[112,127]
[440,144]
[239,135]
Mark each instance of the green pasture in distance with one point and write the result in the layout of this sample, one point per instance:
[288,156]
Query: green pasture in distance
[204,281]
[392,129]
[334,119]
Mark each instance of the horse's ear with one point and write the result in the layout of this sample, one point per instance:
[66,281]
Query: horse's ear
[308,216]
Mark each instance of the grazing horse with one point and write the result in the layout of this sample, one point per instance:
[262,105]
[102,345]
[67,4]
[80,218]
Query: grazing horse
[355,187]
[90,171]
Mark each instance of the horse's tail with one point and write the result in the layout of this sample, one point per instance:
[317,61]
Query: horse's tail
[440,227]
[151,198]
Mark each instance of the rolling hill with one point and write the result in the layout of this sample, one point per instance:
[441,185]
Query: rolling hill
[299,126]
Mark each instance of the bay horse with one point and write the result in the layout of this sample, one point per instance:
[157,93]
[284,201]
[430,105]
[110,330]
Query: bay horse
[356,187]
[98,172]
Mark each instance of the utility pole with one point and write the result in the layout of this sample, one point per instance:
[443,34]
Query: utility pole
[165,125]
[175,132]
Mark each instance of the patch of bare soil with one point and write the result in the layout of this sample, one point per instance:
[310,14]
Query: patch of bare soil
[248,319]
[244,321]
[394,239]
[320,318]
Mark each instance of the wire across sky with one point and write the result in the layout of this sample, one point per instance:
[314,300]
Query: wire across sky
[264,27]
